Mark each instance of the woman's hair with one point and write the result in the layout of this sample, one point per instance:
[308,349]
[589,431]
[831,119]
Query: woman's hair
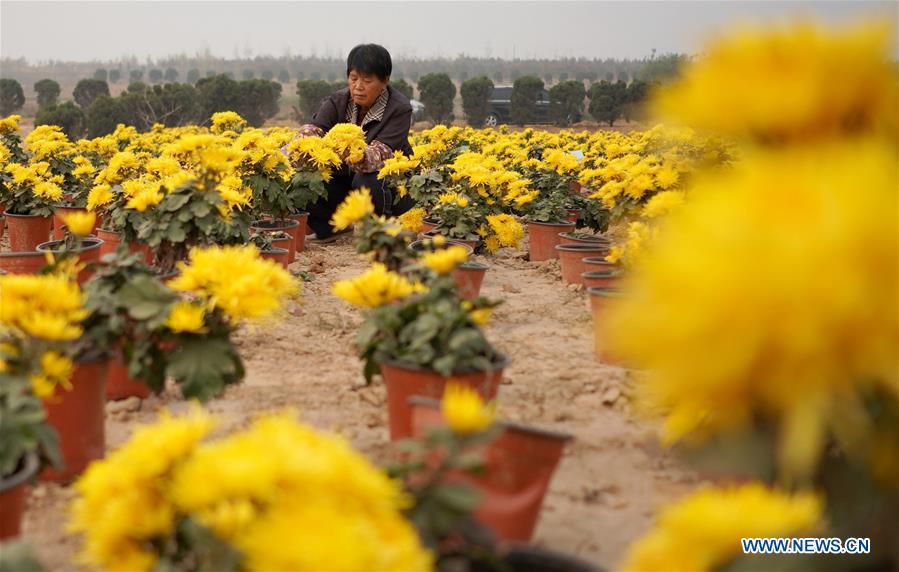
[370,59]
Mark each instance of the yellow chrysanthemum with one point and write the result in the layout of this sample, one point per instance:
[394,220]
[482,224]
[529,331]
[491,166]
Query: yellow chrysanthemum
[186,317]
[445,260]
[348,141]
[354,208]
[56,369]
[98,196]
[79,223]
[376,287]
[464,410]
[413,219]
[10,124]
[702,532]
[47,307]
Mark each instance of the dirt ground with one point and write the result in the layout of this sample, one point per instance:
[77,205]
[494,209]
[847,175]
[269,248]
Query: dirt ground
[611,478]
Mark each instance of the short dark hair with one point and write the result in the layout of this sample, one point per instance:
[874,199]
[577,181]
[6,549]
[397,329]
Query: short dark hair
[370,59]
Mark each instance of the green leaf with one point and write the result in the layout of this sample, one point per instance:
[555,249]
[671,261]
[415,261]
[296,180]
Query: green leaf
[204,366]
[458,497]
[146,297]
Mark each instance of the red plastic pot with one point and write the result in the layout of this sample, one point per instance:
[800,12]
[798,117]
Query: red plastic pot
[471,243]
[519,464]
[111,240]
[12,496]
[79,416]
[571,258]
[119,385]
[22,262]
[2,225]
[425,245]
[279,255]
[27,231]
[138,247]
[291,227]
[428,224]
[59,212]
[599,264]
[403,382]
[543,238]
[88,254]
[303,219]
[600,299]
[600,279]
[469,277]
[582,238]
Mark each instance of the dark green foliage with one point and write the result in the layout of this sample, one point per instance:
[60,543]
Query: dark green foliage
[403,87]
[12,98]
[525,93]
[171,75]
[101,74]
[67,115]
[476,99]
[437,91]
[255,100]
[155,75]
[115,75]
[662,68]
[311,93]
[87,90]
[566,102]
[193,75]
[47,93]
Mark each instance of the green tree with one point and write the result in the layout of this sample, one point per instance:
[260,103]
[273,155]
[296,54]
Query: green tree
[497,77]
[634,100]
[547,78]
[47,92]
[87,90]
[67,116]
[193,75]
[311,93]
[210,73]
[526,92]
[566,102]
[609,76]
[284,76]
[662,68]
[136,87]
[135,75]
[267,75]
[476,99]
[171,104]
[403,87]
[171,75]
[12,98]
[563,76]
[115,75]
[248,73]
[101,74]
[155,75]
[606,100]
[103,115]
[258,100]
[437,92]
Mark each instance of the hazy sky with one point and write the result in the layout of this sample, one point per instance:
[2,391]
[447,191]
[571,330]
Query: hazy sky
[76,30]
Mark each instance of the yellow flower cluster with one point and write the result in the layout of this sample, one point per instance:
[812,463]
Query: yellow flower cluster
[224,121]
[354,208]
[252,288]
[46,307]
[376,287]
[283,495]
[348,141]
[444,260]
[314,153]
[55,369]
[186,317]
[506,230]
[702,532]
[413,219]
[464,411]
[80,223]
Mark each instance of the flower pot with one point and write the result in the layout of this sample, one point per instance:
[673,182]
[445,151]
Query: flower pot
[12,496]
[141,248]
[27,231]
[599,263]
[582,238]
[571,258]
[543,238]
[600,299]
[519,464]
[600,279]
[279,255]
[78,417]
[111,240]
[428,224]
[22,262]
[471,243]
[469,277]
[2,225]
[424,245]
[118,383]
[403,382]
[303,219]
[88,254]
[574,214]
[58,212]
[291,227]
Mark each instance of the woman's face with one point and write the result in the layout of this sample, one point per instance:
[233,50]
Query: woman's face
[365,88]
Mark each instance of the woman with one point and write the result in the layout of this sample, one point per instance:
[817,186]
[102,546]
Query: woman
[385,116]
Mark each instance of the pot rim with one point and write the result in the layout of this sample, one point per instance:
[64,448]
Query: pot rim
[449,242]
[32,464]
[605,291]
[581,246]
[285,223]
[474,265]
[600,274]
[275,250]
[300,214]
[501,362]
[22,254]
[95,243]
[14,215]
[435,232]
[514,426]
[551,223]
[598,260]
[584,237]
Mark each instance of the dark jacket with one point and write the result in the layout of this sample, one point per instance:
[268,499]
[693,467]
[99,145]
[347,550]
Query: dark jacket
[392,130]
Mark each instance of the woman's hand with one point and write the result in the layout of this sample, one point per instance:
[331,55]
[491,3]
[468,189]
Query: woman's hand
[373,158]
